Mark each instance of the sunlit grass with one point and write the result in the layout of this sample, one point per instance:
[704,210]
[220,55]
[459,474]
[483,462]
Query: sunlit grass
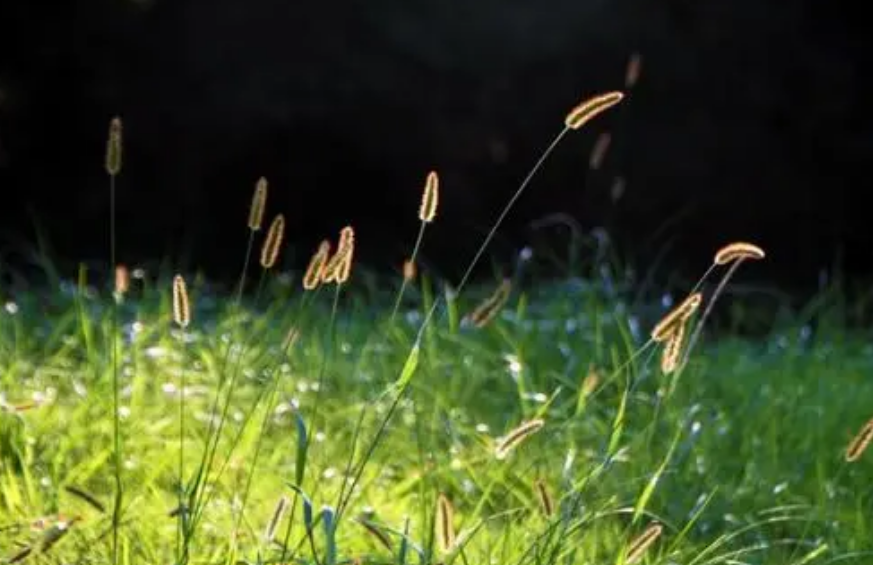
[363,419]
[755,432]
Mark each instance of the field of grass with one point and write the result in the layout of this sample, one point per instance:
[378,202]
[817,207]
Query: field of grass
[342,424]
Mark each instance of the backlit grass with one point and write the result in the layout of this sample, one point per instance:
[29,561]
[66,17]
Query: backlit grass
[347,418]
[747,450]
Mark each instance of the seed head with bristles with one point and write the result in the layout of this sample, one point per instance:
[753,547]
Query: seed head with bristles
[314,271]
[122,279]
[430,198]
[339,266]
[860,442]
[347,241]
[409,270]
[737,250]
[181,307]
[445,528]
[113,147]
[273,243]
[668,324]
[641,544]
[673,349]
[511,440]
[259,204]
[547,503]
[491,306]
[591,108]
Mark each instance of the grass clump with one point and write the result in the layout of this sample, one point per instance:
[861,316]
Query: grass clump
[314,423]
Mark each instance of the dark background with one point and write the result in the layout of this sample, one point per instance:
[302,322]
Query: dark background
[751,120]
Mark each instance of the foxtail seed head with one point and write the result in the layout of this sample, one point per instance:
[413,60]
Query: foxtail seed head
[738,250]
[273,243]
[488,309]
[591,108]
[445,528]
[122,280]
[511,440]
[547,503]
[113,147]
[641,544]
[673,349]
[430,198]
[181,307]
[860,442]
[339,266]
[668,324]
[409,270]
[347,241]
[259,204]
[315,270]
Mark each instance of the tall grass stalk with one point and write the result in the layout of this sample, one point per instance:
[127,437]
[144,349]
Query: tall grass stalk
[113,169]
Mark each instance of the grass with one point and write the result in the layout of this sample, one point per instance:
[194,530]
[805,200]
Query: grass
[387,433]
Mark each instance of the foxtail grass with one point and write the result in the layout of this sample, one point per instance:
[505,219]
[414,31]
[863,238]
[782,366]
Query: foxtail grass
[112,165]
[426,214]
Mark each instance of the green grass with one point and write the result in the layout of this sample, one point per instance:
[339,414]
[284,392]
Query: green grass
[759,428]
[386,401]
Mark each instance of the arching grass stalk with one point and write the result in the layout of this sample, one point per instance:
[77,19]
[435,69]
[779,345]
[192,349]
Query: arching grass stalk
[575,119]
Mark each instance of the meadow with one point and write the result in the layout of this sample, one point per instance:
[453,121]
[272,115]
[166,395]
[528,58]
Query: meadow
[339,416]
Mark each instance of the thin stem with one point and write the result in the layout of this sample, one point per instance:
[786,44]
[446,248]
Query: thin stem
[326,352]
[116,385]
[405,281]
[698,328]
[437,301]
[182,510]
[242,276]
[494,228]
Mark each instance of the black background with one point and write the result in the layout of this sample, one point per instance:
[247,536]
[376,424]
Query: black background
[751,120]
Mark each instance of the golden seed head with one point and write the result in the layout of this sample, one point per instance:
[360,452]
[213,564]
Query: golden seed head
[339,266]
[409,270]
[273,243]
[430,198]
[511,440]
[669,323]
[673,349]
[344,269]
[445,529]
[181,308]
[860,442]
[547,503]
[491,306]
[591,108]
[113,147]
[122,279]
[315,270]
[259,203]
[738,250]
[641,544]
